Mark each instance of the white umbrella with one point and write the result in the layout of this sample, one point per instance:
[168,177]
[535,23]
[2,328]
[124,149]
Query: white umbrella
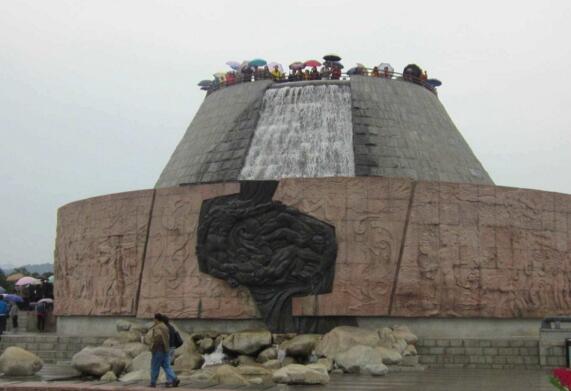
[28,281]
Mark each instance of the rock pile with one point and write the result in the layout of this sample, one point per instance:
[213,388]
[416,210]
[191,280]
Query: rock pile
[254,356]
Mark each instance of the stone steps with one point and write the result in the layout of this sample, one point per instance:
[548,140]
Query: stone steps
[49,347]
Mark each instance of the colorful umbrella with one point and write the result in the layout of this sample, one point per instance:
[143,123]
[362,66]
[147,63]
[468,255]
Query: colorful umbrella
[257,62]
[296,65]
[332,57]
[312,63]
[14,298]
[28,281]
[384,65]
[233,64]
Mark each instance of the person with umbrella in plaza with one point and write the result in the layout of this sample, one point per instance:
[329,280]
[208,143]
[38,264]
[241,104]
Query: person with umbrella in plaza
[4,313]
[13,313]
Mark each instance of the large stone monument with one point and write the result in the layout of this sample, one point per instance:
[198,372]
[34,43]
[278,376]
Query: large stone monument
[308,204]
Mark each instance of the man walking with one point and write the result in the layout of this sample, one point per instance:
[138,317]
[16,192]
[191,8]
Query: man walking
[158,338]
[3,314]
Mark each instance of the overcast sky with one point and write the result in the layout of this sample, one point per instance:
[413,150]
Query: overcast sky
[95,95]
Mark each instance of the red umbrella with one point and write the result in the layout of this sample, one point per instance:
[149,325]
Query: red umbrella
[312,63]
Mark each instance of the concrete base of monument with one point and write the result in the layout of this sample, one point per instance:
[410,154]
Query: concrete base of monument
[453,328]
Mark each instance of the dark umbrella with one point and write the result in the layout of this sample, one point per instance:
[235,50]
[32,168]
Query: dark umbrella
[434,82]
[331,57]
[205,83]
[413,69]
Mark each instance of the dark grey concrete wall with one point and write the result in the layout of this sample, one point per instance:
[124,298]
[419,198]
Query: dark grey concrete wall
[402,129]
[216,142]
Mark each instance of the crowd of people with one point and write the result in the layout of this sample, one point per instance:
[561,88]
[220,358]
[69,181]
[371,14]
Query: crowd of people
[330,69]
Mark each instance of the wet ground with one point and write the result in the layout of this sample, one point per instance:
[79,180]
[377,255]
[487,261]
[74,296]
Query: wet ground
[53,378]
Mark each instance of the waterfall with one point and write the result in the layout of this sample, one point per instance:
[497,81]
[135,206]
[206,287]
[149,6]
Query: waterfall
[216,357]
[303,131]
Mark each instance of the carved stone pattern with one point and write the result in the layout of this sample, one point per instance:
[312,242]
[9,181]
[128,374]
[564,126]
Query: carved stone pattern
[273,249]
[369,216]
[99,254]
[486,251]
[172,283]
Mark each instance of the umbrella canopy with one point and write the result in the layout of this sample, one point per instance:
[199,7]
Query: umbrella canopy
[13,298]
[46,300]
[205,83]
[331,57]
[413,69]
[28,281]
[296,65]
[384,65]
[244,65]
[434,82]
[51,278]
[257,62]
[353,71]
[312,63]
[233,64]
[272,65]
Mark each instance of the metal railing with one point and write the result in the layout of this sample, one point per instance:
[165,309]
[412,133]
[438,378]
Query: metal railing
[287,78]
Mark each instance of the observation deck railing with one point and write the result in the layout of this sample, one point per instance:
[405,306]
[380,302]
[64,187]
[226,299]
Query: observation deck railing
[344,76]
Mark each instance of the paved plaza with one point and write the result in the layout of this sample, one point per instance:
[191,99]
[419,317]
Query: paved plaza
[429,380]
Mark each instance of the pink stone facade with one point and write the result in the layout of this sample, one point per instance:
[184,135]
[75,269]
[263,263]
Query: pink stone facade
[405,248]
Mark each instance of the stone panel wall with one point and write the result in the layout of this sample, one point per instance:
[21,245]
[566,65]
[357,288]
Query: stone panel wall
[99,254]
[405,249]
[172,283]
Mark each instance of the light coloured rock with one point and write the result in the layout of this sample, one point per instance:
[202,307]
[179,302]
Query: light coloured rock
[409,361]
[288,361]
[206,345]
[198,335]
[111,342]
[410,351]
[342,338]
[359,359]
[123,325]
[109,377]
[141,375]
[390,356]
[272,364]
[376,370]
[400,345]
[301,345]
[301,374]
[130,336]
[96,361]
[278,339]
[247,342]
[229,375]
[267,354]
[16,361]
[253,370]
[388,339]
[141,362]
[188,361]
[207,375]
[405,333]
[327,363]
[187,346]
[133,349]
[318,367]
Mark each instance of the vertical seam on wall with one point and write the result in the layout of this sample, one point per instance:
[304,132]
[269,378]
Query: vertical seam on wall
[401,249]
[145,252]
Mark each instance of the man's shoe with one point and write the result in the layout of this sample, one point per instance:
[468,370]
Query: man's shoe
[175,383]
[153,385]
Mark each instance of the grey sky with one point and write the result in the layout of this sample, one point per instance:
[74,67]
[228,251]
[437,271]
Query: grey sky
[95,95]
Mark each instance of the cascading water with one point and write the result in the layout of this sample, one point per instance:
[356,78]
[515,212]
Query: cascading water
[216,357]
[303,131]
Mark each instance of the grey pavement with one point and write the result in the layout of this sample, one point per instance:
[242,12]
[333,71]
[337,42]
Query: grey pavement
[428,380]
